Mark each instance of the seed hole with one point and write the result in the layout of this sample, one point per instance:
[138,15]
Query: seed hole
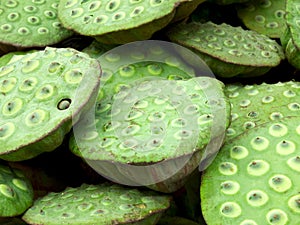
[64,104]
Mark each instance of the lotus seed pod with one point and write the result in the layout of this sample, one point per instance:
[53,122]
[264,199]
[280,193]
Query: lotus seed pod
[15,191]
[116,21]
[290,38]
[42,94]
[253,105]
[229,51]
[157,129]
[146,120]
[31,23]
[255,177]
[264,16]
[98,204]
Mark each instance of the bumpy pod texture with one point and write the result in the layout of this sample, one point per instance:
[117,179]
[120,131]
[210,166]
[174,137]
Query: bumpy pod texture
[253,105]
[31,23]
[229,51]
[255,178]
[98,204]
[265,17]
[39,98]
[16,192]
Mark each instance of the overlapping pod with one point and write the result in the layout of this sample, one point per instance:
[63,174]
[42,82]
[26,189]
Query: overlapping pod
[290,38]
[265,17]
[31,23]
[255,177]
[229,51]
[106,203]
[119,22]
[16,193]
[151,116]
[40,94]
[253,105]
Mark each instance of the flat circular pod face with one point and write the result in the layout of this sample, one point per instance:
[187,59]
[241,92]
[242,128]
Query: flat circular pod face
[253,105]
[228,50]
[31,23]
[16,192]
[264,16]
[98,204]
[150,109]
[254,178]
[140,18]
[40,93]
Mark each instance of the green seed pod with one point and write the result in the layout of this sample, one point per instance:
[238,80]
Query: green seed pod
[229,51]
[265,17]
[98,204]
[39,98]
[31,23]
[254,178]
[253,105]
[16,192]
[119,22]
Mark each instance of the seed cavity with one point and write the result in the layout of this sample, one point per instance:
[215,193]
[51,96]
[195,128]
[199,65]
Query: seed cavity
[12,107]
[21,184]
[230,187]
[294,203]
[7,84]
[228,168]
[294,163]
[73,76]
[278,130]
[258,167]
[277,217]
[285,147]
[257,198]
[260,143]
[64,104]
[6,130]
[6,70]
[280,183]
[294,106]
[7,191]
[112,5]
[238,152]
[230,209]
[30,66]
[36,117]
[248,222]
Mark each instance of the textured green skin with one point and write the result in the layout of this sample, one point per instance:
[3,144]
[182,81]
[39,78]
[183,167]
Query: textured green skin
[210,191]
[141,213]
[290,38]
[34,38]
[33,143]
[22,200]
[248,17]
[237,93]
[142,32]
[202,38]
[126,30]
